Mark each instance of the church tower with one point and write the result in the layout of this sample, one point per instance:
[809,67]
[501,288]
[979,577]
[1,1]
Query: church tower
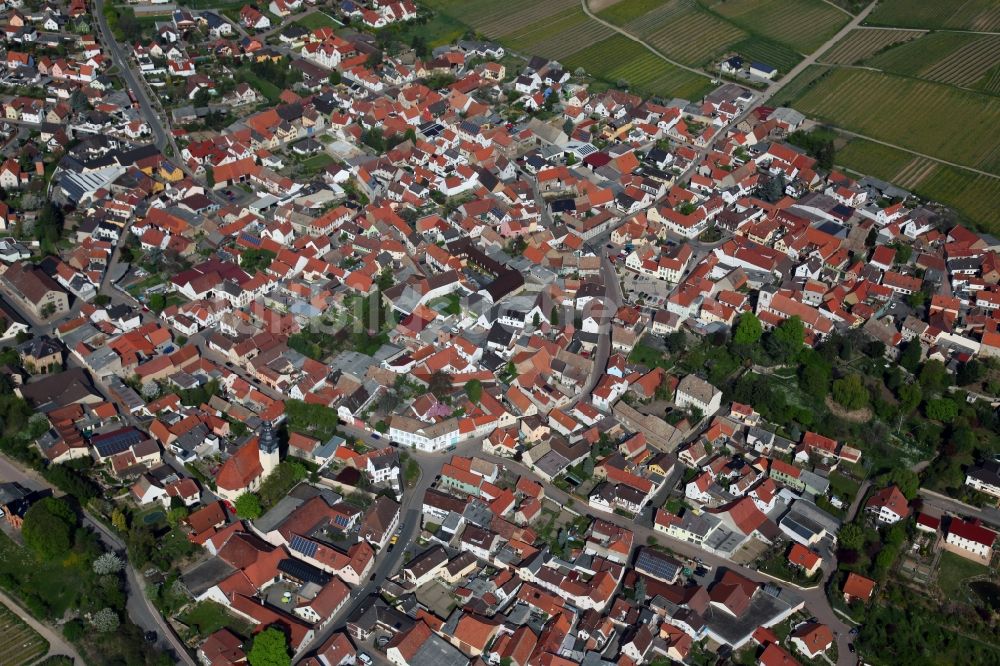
[268,447]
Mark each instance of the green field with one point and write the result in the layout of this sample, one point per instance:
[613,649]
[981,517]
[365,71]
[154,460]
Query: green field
[939,120]
[19,643]
[873,159]
[208,617]
[497,19]
[864,43]
[317,20]
[619,58]
[798,86]
[802,24]
[959,59]
[700,32]
[558,29]
[953,571]
[974,196]
[983,15]
[265,88]
[559,36]
[687,33]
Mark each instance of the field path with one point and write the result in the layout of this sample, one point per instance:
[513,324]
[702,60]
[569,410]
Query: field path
[57,644]
[913,152]
[626,33]
[836,6]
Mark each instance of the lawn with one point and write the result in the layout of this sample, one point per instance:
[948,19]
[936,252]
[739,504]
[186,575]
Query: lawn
[843,486]
[316,163]
[942,121]
[317,20]
[19,643]
[265,88]
[953,571]
[439,30]
[650,357]
[208,617]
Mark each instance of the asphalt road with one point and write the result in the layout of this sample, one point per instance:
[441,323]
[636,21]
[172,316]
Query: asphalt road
[387,562]
[988,514]
[160,136]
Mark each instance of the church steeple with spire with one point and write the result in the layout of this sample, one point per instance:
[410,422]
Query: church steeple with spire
[267,443]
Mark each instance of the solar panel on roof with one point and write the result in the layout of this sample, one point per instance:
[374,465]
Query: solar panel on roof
[656,566]
[302,545]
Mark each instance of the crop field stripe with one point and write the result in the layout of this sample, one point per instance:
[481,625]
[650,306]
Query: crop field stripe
[803,24]
[909,113]
[657,18]
[560,21]
[991,81]
[620,58]
[982,15]
[968,64]
[694,37]
[860,44]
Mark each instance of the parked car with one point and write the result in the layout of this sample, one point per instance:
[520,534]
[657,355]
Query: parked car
[364,659]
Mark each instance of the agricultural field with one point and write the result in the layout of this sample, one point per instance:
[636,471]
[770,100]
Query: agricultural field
[559,36]
[981,15]
[958,59]
[559,29]
[799,85]
[19,643]
[684,32]
[801,24]
[863,43]
[619,58]
[938,120]
[700,32]
[498,19]
[974,196]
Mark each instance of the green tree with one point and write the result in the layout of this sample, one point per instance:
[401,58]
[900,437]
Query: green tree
[48,528]
[474,391]
[748,329]
[270,648]
[910,396]
[248,506]
[118,520]
[916,299]
[941,409]
[176,515]
[256,260]
[814,378]
[910,358]
[775,188]
[933,376]
[787,339]
[439,384]
[906,480]
[851,536]
[903,252]
[851,392]
[157,302]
